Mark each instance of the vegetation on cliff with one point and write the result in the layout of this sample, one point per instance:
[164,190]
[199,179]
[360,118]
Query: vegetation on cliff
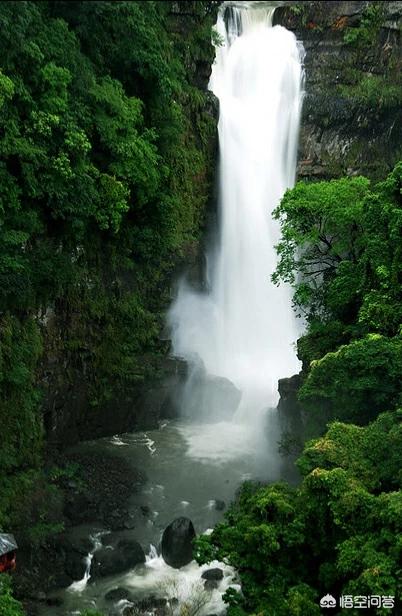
[341,248]
[337,533]
[105,150]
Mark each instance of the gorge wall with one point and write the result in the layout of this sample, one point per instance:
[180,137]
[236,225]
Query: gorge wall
[352,110]
[99,374]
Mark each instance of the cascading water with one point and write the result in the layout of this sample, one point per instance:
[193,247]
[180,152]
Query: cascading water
[243,328]
[237,337]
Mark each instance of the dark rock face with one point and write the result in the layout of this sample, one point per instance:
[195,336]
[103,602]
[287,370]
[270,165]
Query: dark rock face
[177,543]
[210,585]
[215,574]
[288,389]
[210,398]
[110,559]
[106,485]
[220,505]
[76,553]
[68,414]
[291,416]
[346,130]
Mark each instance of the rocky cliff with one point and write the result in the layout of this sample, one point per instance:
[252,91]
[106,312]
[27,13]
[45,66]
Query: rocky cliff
[98,373]
[352,110]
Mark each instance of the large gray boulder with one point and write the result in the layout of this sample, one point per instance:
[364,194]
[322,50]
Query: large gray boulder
[110,560]
[177,542]
[214,574]
[210,398]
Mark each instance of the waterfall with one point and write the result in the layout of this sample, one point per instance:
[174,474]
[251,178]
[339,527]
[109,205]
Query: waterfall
[243,328]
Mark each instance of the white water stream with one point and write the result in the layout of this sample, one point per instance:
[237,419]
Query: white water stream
[243,328]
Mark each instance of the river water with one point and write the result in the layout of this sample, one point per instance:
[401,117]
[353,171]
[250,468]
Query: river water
[184,477]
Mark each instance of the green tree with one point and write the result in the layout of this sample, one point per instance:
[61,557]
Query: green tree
[341,251]
[338,532]
[356,381]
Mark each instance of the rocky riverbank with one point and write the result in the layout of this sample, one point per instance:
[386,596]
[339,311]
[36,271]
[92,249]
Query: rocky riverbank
[121,496]
[95,490]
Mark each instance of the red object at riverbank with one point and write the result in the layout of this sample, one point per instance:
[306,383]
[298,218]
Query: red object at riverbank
[8,549]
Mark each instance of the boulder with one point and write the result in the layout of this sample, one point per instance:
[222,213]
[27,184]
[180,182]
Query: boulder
[76,548]
[210,398]
[118,594]
[220,505]
[213,574]
[210,585]
[177,542]
[110,560]
[75,565]
[152,605]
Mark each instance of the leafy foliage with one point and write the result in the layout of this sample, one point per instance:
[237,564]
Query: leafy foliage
[8,605]
[341,250]
[20,347]
[322,242]
[338,532]
[368,27]
[363,375]
[105,149]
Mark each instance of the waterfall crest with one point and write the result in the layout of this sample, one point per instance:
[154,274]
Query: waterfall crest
[243,328]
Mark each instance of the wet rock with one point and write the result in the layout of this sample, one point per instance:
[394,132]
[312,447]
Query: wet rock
[106,483]
[289,387]
[151,603]
[291,415]
[118,519]
[75,565]
[31,608]
[211,398]
[54,601]
[118,594]
[342,132]
[177,542]
[110,559]
[213,574]
[146,510]
[210,585]
[220,505]
[76,549]
[129,524]
[79,507]
[157,606]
